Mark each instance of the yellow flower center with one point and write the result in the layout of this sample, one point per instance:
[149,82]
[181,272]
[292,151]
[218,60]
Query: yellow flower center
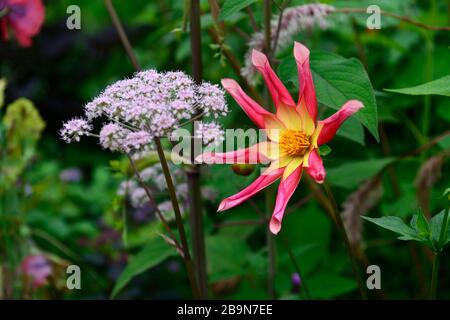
[295,143]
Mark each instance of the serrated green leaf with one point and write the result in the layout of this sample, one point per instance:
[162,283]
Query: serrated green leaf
[155,252]
[439,86]
[396,225]
[233,6]
[420,224]
[338,80]
[351,174]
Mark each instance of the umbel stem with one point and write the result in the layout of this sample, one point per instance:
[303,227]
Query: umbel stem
[170,186]
[178,218]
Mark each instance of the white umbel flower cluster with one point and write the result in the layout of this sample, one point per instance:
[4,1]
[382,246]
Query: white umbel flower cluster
[151,104]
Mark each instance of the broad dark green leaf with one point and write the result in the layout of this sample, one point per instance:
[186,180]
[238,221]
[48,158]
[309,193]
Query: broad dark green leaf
[351,174]
[338,80]
[396,225]
[439,86]
[353,130]
[155,252]
[233,6]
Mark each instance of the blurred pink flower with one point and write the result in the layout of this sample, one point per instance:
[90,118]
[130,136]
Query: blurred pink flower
[24,17]
[37,268]
[294,134]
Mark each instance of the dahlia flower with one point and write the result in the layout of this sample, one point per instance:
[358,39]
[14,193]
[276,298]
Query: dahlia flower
[294,134]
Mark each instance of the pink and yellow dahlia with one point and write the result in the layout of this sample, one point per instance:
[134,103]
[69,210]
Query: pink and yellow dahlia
[294,134]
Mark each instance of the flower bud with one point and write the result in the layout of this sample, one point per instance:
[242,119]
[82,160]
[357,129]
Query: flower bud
[243,169]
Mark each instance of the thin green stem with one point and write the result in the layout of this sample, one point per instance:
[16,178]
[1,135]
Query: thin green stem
[303,287]
[434,275]
[153,203]
[341,228]
[437,255]
[178,218]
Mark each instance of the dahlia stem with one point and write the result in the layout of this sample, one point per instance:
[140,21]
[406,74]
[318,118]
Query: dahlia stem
[186,255]
[340,225]
[193,174]
[178,218]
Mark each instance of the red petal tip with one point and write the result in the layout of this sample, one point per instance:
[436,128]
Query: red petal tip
[274,226]
[228,83]
[222,206]
[259,59]
[301,52]
[355,105]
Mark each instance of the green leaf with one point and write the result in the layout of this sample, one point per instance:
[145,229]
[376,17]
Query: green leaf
[439,86]
[353,130]
[420,224]
[155,252]
[227,256]
[3,84]
[351,174]
[436,224]
[396,225]
[233,6]
[324,150]
[338,80]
